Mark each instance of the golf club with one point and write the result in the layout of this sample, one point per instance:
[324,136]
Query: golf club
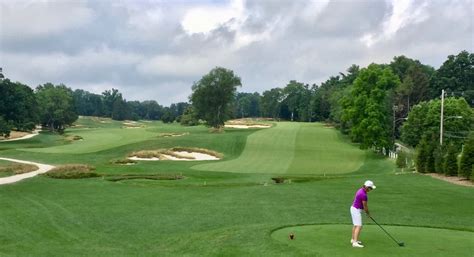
[399,243]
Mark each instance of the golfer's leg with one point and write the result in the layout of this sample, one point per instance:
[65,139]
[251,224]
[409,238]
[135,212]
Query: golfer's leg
[353,232]
[357,232]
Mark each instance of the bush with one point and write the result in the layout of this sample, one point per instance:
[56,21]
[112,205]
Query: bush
[421,156]
[72,171]
[18,168]
[467,157]
[402,159]
[439,159]
[451,162]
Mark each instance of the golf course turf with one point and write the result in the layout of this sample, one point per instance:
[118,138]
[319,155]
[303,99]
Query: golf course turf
[229,207]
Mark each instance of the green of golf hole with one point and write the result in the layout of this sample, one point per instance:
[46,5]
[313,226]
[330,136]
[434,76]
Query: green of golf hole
[334,240]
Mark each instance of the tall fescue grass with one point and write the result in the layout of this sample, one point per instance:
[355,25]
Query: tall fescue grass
[17,168]
[72,171]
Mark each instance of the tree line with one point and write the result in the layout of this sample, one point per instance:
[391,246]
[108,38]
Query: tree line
[57,106]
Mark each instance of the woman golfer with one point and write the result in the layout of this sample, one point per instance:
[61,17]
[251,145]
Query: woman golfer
[359,205]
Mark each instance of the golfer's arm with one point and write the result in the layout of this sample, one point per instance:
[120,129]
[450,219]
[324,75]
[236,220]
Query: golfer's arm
[366,207]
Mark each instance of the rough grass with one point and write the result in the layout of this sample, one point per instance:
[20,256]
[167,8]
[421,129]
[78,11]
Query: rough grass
[124,161]
[121,177]
[72,171]
[16,168]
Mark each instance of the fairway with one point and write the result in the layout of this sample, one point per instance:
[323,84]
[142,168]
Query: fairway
[294,148]
[95,140]
[333,240]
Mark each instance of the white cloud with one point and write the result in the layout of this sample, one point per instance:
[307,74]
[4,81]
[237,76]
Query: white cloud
[404,13]
[204,19]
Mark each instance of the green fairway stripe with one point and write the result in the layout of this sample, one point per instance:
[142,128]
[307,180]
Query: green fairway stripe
[266,151]
[320,150]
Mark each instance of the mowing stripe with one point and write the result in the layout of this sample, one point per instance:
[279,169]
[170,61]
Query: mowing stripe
[266,151]
[320,150]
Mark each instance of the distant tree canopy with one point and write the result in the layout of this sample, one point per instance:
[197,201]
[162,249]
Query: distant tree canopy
[213,94]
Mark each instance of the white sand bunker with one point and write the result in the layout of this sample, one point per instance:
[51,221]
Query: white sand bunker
[173,134]
[15,136]
[240,126]
[176,154]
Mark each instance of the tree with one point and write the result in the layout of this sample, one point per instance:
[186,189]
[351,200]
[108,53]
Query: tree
[295,97]
[424,119]
[189,117]
[401,159]
[5,127]
[438,154]
[167,116]
[467,158]
[271,102]
[456,76]
[421,155]
[56,106]
[451,161]
[18,105]
[368,110]
[213,94]
[108,98]
[120,109]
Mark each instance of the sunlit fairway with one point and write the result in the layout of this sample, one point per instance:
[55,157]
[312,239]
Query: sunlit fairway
[294,148]
[224,208]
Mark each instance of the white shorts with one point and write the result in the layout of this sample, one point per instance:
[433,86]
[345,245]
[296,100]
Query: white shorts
[356,216]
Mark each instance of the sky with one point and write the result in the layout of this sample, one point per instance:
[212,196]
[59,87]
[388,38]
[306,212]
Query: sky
[157,49]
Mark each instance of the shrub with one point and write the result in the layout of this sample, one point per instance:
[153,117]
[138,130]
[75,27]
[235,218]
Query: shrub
[467,157]
[402,159]
[421,156]
[439,159]
[430,158]
[451,162]
[279,180]
[72,171]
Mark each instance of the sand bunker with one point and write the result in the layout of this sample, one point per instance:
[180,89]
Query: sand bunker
[246,126]
[176,154]
[14,136]
[173,134]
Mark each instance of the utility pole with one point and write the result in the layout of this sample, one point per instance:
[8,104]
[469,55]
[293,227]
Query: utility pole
[441,121]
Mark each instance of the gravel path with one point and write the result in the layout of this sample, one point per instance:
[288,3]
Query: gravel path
[42,168]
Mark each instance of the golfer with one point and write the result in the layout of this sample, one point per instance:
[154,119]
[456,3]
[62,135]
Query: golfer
[359,205]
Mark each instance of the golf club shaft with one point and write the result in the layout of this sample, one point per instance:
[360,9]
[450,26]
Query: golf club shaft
[384,230]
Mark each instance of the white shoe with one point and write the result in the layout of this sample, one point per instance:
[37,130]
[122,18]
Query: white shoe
[352,241]
[356,244]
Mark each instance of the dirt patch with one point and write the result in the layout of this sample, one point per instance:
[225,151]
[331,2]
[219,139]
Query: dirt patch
[453,180]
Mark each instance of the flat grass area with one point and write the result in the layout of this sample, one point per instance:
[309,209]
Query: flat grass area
[331,240]
[213,213]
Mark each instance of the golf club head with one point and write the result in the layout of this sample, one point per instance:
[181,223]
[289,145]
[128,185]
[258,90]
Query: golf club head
[401,244]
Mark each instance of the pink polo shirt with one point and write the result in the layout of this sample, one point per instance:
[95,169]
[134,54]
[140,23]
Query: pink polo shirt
[360,196]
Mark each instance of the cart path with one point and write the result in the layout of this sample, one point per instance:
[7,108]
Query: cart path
[42,168]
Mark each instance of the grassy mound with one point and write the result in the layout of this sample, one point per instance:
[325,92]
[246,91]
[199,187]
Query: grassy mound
[72,171]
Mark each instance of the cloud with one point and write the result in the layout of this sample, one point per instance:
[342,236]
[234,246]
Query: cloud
[154,49]
[403,13]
